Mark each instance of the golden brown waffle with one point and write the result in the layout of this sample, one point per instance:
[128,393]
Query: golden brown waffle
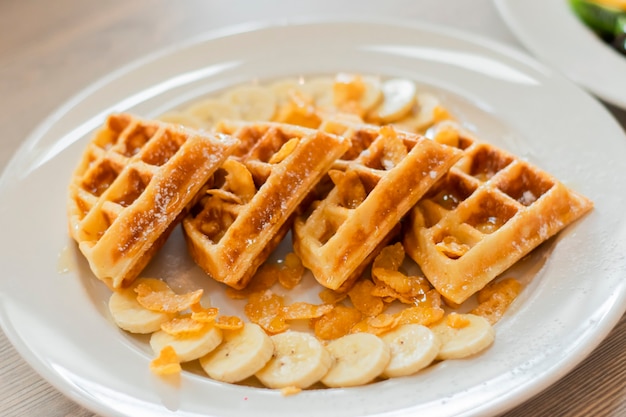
[339,235]
[247,209]
[134,180]
[490,210]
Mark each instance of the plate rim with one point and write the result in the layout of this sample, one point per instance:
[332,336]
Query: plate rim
[507,10]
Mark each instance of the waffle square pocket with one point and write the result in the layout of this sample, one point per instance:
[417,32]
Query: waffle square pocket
[128,192]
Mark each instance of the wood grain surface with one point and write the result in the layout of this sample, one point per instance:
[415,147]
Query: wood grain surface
[50,50]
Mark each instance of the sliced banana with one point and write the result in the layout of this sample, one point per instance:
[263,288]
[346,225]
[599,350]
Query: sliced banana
[182,118]
[129,315]
[255,103]
[188,347]
[299,361]
[374,94]
[424,114]
[284,89]
[212,110]
[460,342]
[413,347]
[398,100]
[358,358]
[242,353]
[320,90]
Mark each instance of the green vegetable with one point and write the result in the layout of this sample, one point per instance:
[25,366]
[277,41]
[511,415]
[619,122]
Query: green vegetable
[603,20]
[619,42]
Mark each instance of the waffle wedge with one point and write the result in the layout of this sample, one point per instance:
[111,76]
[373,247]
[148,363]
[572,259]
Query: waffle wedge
[372,192]
[132,184]
[248,208]
[489,211]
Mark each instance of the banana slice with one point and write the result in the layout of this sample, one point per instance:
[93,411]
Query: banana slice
[358,359]
[188,347]
[129,315]
[299,361]
[254,103]
[466,340]
[398,100]
[283,89]
[182,118]
[320,90]
[211,111]
[372,96]
[242,353]
[413,347]
[425,114]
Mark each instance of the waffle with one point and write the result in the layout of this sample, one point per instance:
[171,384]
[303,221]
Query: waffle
[490,210]
[248,208]
[134,180]
[340,234]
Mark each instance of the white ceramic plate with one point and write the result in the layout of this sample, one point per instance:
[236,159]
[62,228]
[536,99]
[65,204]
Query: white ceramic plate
[553,33]
[59,321]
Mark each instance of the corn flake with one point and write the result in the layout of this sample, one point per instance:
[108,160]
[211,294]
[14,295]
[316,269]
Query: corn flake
[329,296]
[388,295]
[447,135]
[376,325]
[427,312]
[265,277]
[350,186]
[390,257]
[509,286]
[239,180]
[228,323]
[496,298]
[389,284]
[394,150]
[440,113]
[302,311]
[396,280]
[420,315]
[290,271]
[457,321]
[284,151]
[348,89]
[287,391]
[166,363]
[336,323]
[182,326]
[299,110]
[264,308]
[204,315]
[452,248]
[165,300]
[363,300]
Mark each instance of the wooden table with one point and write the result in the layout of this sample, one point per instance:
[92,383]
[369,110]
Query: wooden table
[50,50]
